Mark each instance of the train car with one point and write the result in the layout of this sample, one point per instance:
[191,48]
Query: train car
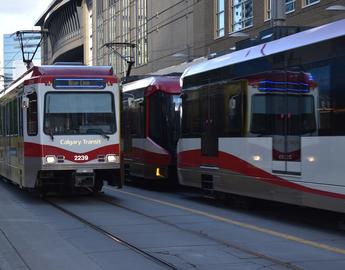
[151,119]
[267,121]
[60,129]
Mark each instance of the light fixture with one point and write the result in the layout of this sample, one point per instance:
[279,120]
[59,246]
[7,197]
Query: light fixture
[50,159]
[238,34]
[256,158]
[336,8]
[112,158]
[158,172]
[311,159]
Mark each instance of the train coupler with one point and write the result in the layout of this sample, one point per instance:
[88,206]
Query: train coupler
[84,178]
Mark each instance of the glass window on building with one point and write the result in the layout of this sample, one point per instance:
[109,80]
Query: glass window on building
[310,2]
[289,7]
[142,48]
[268,10]
[125,37]
[241,14]
[127,25]
[99,32]
[220,18]
[112,28]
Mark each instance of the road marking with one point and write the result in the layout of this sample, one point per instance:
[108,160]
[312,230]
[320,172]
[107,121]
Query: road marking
[240,224]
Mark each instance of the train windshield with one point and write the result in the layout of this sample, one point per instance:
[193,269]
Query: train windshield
[276,114]
[79,113]
[165,119]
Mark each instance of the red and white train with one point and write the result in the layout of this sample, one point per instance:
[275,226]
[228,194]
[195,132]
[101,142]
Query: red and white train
[60,129]
[268,121]
[151,127]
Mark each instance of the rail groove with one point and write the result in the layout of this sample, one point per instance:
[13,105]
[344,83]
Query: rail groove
[114,237]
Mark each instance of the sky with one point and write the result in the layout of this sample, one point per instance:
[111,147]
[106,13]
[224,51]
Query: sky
[19,15]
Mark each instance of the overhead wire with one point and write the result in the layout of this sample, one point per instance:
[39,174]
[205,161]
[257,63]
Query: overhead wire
[8,64]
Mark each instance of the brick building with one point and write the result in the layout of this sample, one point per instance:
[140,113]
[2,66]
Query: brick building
[167,32]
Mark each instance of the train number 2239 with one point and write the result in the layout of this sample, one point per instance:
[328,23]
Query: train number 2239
[81,157]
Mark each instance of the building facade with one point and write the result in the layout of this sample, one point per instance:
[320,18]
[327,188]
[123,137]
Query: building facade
[165,33]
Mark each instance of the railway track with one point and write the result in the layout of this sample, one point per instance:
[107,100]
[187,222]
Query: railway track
[109,199]
[113,237]
[275,262]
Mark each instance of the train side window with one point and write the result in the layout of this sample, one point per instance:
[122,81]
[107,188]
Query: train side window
[7,119]
[1,120]
[234,116]
[20,115]
[233,110]
[191,110]
[14,117]
[32,124]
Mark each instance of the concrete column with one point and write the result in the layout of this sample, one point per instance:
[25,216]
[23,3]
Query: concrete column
[278,12]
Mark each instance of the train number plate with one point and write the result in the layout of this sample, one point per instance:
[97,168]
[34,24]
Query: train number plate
[81,157]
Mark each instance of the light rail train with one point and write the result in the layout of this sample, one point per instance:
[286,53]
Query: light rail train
[268,121]
[60,129]
[151,127]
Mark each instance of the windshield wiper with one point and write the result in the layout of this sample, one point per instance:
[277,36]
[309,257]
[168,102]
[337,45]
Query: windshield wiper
[51,134]
[101,132]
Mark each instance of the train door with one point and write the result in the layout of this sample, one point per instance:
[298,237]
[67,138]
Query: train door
[222,114]
[209,136]
[2,143]
[125,128]
[284,110]
[276,115]
[286,144]
[7,141]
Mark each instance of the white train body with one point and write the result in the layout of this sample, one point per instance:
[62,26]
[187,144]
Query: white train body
[268,121]
[60,128]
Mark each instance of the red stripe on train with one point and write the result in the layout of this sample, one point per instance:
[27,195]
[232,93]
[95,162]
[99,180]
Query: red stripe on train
[227,161]
[148,157]
[39,150]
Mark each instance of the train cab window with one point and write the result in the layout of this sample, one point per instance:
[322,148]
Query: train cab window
[79,113]
[164,116]
[267,114]
[191,111]
[277,114]
[133,103]
[32,124]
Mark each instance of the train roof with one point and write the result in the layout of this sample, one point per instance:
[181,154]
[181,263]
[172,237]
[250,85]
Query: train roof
[42,74]
[72,70]
[307,37]
[169,84]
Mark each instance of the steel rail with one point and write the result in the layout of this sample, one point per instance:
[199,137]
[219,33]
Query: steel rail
[275,261]
[113,237]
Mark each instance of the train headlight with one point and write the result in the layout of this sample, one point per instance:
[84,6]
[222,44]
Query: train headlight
[112,158]
[256,158]
[50,159]
[311,159]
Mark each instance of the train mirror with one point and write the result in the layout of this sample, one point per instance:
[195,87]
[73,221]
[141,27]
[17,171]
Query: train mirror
[25,102]
[232,103]
[139,101]
[183,96]
[130,101]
